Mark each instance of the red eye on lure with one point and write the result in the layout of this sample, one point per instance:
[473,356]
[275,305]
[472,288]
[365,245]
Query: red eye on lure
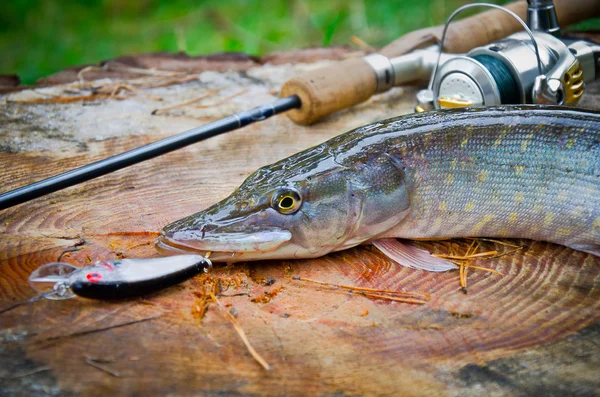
[94,277]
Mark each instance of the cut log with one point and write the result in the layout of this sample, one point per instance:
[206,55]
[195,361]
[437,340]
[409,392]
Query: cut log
[532,330]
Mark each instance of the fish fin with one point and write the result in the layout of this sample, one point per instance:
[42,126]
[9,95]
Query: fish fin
[409,256]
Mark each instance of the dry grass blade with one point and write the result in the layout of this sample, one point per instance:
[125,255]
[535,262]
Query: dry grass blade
[466,257]
[224,100]
[120,87]
[29,373]
[59,99]
[94,90]
[366,289]
[82,331]
[122,67]
[164,82]
[405,297]
[396,298]
[241,333]
[123,324]
[362,44]
[495,241]
[189,102]
[99,365]
[485,269]
[500,255]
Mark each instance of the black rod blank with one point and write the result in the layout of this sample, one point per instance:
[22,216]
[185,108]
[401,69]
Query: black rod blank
[143,153]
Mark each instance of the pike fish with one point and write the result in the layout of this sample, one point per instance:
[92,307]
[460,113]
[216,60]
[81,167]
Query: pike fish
[505,172]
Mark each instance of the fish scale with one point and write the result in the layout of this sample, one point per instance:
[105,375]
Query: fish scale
[507,173]
[510,171]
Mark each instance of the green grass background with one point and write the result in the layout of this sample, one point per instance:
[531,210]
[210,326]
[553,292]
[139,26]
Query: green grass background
[40,37]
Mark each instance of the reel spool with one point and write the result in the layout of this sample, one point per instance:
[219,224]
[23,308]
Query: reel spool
[505,72]
[526,67]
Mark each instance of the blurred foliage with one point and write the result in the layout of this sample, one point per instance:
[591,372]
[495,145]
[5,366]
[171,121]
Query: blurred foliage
[40,37]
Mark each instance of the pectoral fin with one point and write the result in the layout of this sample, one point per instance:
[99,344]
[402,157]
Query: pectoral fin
[412,257]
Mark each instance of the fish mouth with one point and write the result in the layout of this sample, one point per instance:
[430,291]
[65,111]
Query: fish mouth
[224,247]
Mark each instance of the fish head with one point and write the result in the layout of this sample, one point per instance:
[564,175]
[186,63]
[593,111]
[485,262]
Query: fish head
[298,208]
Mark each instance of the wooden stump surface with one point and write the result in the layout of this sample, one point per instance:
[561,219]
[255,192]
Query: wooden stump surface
[533,330]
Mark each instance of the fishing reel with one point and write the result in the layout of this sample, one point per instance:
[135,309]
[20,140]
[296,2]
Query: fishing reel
[529,67]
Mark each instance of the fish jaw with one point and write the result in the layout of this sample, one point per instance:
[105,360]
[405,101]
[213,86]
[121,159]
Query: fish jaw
[224,247]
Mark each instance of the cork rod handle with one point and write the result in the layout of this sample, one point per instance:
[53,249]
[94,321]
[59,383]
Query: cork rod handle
[329,89]
[488,26]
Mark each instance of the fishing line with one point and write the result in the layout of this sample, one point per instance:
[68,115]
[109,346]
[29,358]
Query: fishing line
[506,82]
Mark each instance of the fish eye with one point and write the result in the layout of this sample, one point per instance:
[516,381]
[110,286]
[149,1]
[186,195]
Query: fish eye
[286,201]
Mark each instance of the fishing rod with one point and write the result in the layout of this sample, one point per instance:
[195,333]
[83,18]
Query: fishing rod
[314,95]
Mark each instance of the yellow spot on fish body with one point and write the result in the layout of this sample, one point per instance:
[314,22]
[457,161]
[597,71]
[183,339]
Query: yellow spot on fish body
[486,219]
[570,143]
[525,142]
[443,206]
[534,229]
[482,176]
[498,140]
[450,179]
[596,223]
[548,218]
[519,197]
[470,205]
[519,169]
[464,142]
[563,232]
[512,218]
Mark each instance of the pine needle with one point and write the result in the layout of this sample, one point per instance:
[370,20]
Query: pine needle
[465,257]
[396,298]
[485,269]
[464,261]
[241,333]
[355,288]
[408,297]
[495,241]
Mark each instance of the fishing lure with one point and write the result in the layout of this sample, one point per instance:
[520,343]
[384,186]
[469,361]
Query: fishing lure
[115,279]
